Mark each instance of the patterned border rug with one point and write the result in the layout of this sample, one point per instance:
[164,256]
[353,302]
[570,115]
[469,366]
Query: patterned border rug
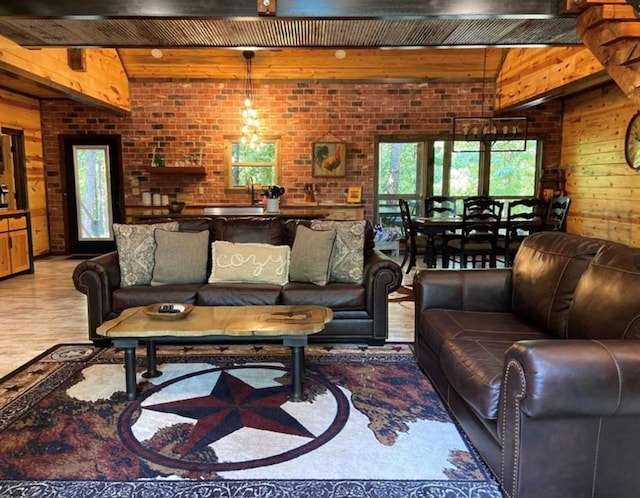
[218,422]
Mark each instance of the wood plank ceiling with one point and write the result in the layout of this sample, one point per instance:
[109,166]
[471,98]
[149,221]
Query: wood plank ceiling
[202,39]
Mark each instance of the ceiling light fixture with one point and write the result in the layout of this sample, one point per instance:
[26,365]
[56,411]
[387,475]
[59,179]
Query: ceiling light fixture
[250,121]
[156,53]
[511,131]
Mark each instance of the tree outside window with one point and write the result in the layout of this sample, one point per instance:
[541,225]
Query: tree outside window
[246,166]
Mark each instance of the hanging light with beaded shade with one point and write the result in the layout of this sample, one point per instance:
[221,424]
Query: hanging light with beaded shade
[250,121]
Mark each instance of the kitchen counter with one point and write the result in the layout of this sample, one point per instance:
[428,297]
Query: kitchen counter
[304,211]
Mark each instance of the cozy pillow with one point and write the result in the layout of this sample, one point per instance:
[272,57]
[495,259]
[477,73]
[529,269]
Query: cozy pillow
[348,254]
[181,257]
[311,255]
[265,263]
[136,247]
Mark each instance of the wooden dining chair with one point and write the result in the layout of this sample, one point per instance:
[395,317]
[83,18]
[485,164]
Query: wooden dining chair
[478,236]
[524,216]
[557,213]
[437,206]
[415,244]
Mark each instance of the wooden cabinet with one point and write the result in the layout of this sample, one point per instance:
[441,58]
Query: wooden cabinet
[16,255]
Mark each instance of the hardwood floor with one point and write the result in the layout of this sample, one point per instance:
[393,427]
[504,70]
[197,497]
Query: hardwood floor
[44,309]
[39,311]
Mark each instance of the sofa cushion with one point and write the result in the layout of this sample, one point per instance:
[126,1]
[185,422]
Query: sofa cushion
[348,254]
[311,255]
[180,257]
[336,296]
[136,247]
[472,347]
[264,263]
[606,302]
[243,230]
[546,271]
[233,294]
[440,325]
[144,295]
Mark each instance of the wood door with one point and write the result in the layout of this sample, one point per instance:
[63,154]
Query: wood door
[19,243]
[5,254]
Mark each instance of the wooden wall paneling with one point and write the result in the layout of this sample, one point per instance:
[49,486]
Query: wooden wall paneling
[604,190]
[23,113]
[540,74]
[49,68]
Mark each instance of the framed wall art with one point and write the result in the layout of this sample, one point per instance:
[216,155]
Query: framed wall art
[329,159]
[354,195]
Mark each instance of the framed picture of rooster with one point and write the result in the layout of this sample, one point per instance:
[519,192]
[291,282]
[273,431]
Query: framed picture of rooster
[329,159]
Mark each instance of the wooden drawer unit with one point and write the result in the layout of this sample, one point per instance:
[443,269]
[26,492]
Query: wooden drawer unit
[16,255]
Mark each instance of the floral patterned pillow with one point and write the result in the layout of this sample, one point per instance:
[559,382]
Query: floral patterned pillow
[348,253]
[136,251]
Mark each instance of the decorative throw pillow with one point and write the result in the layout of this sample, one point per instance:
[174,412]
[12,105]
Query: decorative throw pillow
[311,255]
[181,257]
[136,247]
[249,262]
[348,254]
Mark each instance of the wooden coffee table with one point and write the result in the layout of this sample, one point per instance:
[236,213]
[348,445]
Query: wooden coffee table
[291,324]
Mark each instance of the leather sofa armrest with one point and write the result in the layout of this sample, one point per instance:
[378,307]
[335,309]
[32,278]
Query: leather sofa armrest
[559,378]
[381,276]
[97,278]
[467,289]
[568,418]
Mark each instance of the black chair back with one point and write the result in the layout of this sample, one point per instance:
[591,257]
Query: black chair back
[524,216]
[557,213]
[439,205]
[479,233]
[411,248]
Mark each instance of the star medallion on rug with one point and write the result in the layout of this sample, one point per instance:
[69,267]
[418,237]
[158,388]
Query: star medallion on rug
[218,420]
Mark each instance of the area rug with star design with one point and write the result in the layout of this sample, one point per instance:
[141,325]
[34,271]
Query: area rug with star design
[219,422]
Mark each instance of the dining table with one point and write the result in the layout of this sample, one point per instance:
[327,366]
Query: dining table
[432,226]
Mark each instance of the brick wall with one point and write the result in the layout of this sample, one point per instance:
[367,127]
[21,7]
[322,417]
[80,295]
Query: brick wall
[185,116]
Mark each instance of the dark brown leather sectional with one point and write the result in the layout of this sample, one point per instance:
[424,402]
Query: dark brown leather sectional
[540,364]
[360,311]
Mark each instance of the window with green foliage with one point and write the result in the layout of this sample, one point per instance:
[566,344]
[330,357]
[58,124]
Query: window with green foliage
[246,166]
[416,167]
[513,174]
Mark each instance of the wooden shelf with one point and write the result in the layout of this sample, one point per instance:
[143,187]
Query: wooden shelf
[177,170]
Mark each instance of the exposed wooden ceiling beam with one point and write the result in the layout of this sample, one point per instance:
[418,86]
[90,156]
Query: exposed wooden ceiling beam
[286,8]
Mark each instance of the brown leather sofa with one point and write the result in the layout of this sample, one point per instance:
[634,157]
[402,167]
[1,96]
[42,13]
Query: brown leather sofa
[360,311]
[540,364]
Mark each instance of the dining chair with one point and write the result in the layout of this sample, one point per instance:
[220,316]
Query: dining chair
[415,244]
[434,207]
[478,236]
[524,216]
[557,213]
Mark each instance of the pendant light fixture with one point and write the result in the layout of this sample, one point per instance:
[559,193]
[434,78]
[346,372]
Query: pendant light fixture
[249,114]
[488,129]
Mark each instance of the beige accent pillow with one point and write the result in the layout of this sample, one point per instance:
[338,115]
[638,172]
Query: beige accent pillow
[348,254]
[136,247]
[249,262]
[181,257]
[311,255]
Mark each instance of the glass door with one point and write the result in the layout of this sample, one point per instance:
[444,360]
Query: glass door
[400,166]
[93,169]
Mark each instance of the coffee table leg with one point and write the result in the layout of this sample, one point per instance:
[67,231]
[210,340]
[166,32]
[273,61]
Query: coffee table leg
[152,364]
[297,370]
[130,372]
